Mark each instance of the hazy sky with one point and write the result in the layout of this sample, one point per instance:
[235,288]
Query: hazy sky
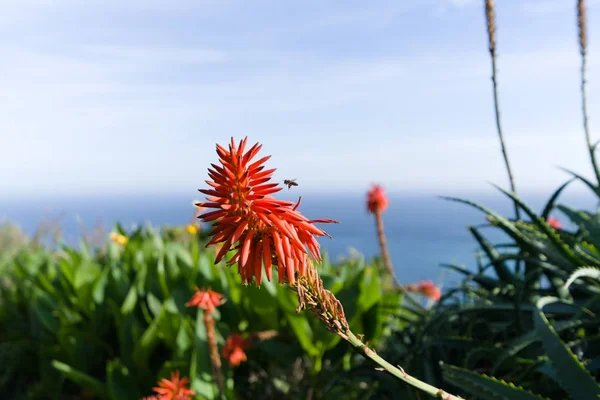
[114,96]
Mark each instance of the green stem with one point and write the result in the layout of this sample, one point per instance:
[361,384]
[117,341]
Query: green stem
[398,372]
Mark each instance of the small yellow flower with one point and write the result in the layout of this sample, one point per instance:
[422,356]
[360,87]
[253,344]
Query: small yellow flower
[192,229]
[118,238]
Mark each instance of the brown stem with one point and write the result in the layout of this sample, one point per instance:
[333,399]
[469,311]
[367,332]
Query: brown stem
[581,24]
[387,262]
[491,29]
[215,358]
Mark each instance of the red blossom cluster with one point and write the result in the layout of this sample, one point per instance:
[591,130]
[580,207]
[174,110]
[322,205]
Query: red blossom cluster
[377,201]
[174,389]
[426,288]
[247,218]
[234,348]
[554,223]
[206,299]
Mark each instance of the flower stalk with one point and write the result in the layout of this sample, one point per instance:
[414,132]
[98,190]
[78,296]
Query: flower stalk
[208,301]
[582,30]
[215,359]
[398,371]
[490,17]
[385,254]
[326,307]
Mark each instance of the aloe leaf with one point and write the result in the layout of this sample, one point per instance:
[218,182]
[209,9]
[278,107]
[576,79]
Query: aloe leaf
[543,225]
[573,376]
[506,225]
[550,204]
[529,338]
[493,254]
[481,279]
[588,272]
[589,184]
[480,385]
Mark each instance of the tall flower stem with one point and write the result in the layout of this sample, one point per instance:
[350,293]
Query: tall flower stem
[385,254]
[581,24]
[398,372]
[387,261]
[215,359]
[491,29]
[326,307]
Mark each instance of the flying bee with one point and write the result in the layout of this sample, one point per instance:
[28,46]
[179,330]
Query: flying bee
[290,183]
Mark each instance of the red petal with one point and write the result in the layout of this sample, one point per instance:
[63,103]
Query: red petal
[258,263]
[266,244]
[258,163]
[224,249]
[239,231]
[246,248]
[290,271]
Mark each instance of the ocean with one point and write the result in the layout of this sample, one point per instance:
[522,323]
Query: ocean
[422,230]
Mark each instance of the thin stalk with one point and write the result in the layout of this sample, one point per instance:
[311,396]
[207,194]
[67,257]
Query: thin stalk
[387,261]
[385,254]
[215,359]
[581,23]
[398,372]
[491,28]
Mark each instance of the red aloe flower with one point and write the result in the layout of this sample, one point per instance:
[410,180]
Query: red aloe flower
[376,199]
[206,299]
[246,218]
[174,389]
[234,349]
[554,223]
[429,289]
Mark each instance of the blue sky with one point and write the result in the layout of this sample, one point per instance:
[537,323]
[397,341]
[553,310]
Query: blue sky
[116,97]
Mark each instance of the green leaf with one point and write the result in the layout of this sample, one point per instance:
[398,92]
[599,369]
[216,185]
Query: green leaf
[494,256]
[588,272]
[147,342]
[589,184]
[529,338]
[121,384]
[587,221]
[130,301]
[304,333]
[550,204]
[100,286]
[82,379]
[545,228]
[370,288]
[574,378]
[506,225]
[484,386]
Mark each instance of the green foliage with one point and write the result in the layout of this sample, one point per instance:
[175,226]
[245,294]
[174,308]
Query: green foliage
[108,324]
[493,339]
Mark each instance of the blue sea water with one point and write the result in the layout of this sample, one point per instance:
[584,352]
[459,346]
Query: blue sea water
[422,230]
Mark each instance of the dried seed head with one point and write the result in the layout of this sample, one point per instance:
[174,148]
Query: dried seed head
[582,26]
[322,303]
[490,17]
